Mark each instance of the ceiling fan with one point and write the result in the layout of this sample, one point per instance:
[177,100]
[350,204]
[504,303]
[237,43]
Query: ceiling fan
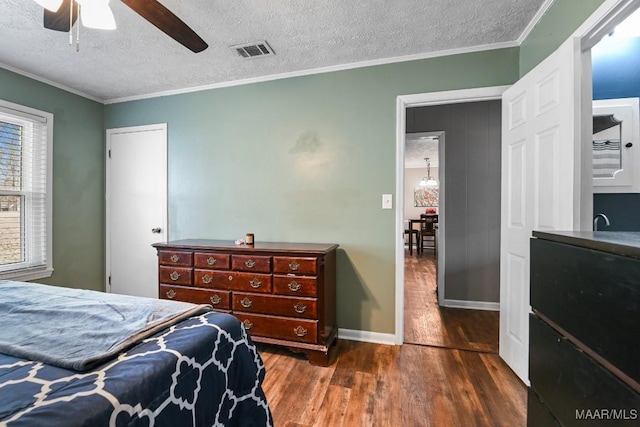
[59,15]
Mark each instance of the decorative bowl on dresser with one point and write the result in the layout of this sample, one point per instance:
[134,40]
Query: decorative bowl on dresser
[284,293]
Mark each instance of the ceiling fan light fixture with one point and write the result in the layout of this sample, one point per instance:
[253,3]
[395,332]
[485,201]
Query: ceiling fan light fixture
[52,5]
[97,14]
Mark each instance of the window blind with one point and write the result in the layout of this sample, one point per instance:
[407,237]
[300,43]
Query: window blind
[25,139]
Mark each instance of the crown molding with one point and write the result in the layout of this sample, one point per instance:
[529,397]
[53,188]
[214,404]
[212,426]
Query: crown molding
[321,70]
[534,21]
[50,82]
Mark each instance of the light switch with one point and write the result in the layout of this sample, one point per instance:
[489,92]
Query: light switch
[387,201]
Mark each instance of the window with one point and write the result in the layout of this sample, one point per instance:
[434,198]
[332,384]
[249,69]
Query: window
[25,192]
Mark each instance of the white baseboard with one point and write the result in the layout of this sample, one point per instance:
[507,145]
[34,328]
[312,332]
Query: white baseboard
[366,336]
[472,305]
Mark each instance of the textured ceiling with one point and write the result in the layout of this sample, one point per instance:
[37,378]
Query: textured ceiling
[137,59]
[418,147]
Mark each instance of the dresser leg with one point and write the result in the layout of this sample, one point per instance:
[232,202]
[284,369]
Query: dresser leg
[315,357]
[321,358]
[318,358]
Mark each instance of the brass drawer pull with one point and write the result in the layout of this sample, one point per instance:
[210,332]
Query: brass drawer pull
[300,331]
[230,278]
[215,300]
[207,279]
[250,263]
[294,286]
[171,294]
[300,308]
[246,302]
[175,258]
[211,260]
[174,275]
[247,324]
[255,283]
[294,266]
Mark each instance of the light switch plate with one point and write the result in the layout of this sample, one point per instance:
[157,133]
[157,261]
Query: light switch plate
[387,201]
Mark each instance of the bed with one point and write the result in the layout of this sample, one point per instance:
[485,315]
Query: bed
[186,366]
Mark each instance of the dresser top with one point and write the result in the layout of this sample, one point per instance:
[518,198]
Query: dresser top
[230,245]
[625,243]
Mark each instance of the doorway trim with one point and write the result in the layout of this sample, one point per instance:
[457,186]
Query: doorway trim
[421,100]
[601,22]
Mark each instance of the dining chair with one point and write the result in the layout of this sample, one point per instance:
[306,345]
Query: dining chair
[428,232]
[415,239]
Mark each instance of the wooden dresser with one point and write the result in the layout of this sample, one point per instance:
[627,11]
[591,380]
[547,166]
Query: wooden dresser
[584,333]
[284,293]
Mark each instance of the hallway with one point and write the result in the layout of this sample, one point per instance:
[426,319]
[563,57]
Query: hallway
[426,323]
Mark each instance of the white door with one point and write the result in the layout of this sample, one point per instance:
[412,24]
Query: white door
[541,176]
[136,207]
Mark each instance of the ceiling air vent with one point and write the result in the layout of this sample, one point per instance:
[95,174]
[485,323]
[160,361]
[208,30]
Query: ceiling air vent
[254,50]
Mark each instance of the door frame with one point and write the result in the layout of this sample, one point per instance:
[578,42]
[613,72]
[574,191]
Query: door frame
[421,100]
[592,30]
[164,233]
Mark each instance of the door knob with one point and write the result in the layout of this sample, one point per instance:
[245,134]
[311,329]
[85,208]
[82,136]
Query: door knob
[156,230]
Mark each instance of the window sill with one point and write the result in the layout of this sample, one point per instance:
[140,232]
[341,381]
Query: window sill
[25,275]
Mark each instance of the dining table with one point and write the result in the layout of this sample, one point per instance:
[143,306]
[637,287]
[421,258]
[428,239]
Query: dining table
[412,221]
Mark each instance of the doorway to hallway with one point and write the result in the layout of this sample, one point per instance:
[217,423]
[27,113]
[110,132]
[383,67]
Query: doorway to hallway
[466,261]
[427,323]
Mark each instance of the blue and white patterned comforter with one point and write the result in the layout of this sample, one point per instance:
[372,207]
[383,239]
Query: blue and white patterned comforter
[203,371]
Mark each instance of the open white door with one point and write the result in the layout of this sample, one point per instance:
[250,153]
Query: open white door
[541,178]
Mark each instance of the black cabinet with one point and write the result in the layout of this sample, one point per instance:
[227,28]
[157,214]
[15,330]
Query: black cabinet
[584,333]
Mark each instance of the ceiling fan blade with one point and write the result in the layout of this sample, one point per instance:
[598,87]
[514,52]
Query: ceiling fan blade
[59,21]
[170,24]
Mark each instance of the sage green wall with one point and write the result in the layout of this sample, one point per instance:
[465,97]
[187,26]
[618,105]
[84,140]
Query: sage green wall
[78,178]
[304,159]
[557,24]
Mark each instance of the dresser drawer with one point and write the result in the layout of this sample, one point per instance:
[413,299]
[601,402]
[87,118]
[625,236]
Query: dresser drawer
[177,275]
[211,278]
[295,285]
[250,282]
[538,414]
[277,305]
[280,327]
[592,295]
[295,265]
[215,298]
[212,260]
[570,380]
[177,258]
[260,264]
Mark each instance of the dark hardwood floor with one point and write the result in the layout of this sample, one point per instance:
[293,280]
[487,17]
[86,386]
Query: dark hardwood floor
[426,323]
[382,385]
[409,385]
